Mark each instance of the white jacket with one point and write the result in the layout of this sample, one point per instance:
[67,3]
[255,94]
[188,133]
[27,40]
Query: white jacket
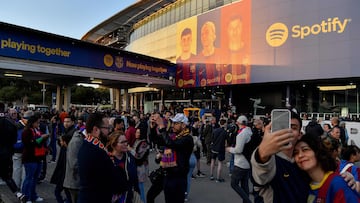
[241,139]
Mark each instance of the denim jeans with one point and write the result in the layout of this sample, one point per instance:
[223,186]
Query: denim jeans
[18,169]
[32,171]
[192,163]
[241,175]
[231,163]
[142,191]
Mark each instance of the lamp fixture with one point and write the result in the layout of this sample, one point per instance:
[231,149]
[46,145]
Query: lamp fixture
[88,85]
[96,81]
[13,75]
[335,88]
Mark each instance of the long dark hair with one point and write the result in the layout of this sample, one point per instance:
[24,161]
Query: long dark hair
[32,120]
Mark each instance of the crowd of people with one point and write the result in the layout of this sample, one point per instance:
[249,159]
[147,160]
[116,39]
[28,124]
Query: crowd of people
[104,156]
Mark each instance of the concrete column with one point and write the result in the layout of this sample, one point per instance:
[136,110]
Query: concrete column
[126,100]
[287,104]
[111,93]
[117,99]
[58,98]
[136,101]
[141,102]
[309,100]
[131,102]
[162,105]
[67,98]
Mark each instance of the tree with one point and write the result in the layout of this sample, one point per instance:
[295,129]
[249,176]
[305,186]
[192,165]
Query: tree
[9,94]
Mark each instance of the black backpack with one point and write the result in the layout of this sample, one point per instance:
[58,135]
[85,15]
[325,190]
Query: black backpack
[250,147]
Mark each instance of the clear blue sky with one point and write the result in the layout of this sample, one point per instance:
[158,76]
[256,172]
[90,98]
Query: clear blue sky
[71,18]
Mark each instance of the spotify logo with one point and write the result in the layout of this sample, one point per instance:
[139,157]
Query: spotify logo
[277,34]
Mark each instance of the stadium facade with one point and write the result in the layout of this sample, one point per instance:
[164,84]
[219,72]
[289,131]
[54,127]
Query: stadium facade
[248,53]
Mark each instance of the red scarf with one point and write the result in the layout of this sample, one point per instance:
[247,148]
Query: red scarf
[95,141]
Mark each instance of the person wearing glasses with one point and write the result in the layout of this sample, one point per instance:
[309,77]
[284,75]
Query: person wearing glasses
[99,179]
[125,162]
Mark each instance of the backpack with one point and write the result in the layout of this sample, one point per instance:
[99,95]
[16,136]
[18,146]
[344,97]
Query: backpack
[250,146]
[19,145]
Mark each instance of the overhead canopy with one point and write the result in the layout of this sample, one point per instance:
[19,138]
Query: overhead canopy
[42,56]
[122,22]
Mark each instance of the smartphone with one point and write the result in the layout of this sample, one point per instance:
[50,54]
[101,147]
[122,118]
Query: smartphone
[280,119]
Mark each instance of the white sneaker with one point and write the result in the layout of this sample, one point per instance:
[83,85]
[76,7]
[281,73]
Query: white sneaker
[39,199]
[20,196]
[28,201]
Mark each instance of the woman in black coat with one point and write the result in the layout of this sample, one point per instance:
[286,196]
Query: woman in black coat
[59,173]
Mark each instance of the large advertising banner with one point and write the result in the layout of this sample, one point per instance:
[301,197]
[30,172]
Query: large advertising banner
[25,43]
[305,40]
[217,50]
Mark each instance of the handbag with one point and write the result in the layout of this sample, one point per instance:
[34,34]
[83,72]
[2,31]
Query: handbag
[156,176]
[40,151]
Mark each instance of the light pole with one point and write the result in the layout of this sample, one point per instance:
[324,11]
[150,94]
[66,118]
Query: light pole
[43,93]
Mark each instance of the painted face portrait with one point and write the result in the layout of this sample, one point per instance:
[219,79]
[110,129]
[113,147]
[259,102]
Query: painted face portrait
[186,41]
[208,35]
[235,34]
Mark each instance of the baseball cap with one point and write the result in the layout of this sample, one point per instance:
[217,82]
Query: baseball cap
[28,114]
[242,120]
[180,117]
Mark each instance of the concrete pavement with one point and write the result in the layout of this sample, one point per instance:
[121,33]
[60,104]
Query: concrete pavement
[202,189]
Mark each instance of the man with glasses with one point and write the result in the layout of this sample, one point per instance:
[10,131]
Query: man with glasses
[99,179]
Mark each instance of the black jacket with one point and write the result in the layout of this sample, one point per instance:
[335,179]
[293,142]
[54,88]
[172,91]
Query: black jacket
[69,132]
[218,140]
[8,135]
[59,173]
[183,146]
[99,178]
